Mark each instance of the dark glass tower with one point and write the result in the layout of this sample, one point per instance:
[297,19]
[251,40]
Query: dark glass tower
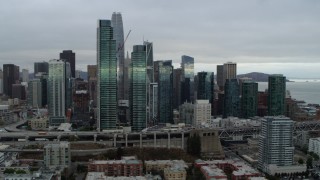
[41,67]
[10,77]
[117,25]
[70,57]
[205,86]
[187,65]
[107,76]
[165,91]
[231,98]
[276,95]
[249,99]
[138,88]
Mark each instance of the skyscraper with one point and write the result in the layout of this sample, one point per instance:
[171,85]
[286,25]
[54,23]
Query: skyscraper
[150,78]
[249,99]
[92,81]
[10,77]
[1,81]
[117,25]
[107,76]
[57,92]
[138,88]
[231,98]
[229,71]
[275,142]
[205,86]
[42,67]
[177,79]
[165,90]
[276,94]
[25,75]
[220,79]
[34,93]
[187,65]
[70,57]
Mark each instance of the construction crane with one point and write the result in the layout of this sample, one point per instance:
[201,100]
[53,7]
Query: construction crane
[122,45]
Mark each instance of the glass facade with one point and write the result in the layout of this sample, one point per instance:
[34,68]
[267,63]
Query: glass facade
[107,76]
[276,95]
[205,86]
[249,99]
[276,142]
[138,88]
[118,36]
[231,98]
[187,65]
[56,92]
[165,86]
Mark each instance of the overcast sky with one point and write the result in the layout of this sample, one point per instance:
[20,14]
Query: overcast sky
[269,36]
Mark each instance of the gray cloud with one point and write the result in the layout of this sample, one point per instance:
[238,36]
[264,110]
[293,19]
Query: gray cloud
[253,31]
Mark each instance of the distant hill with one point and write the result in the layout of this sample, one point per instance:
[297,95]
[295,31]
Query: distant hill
[256,76]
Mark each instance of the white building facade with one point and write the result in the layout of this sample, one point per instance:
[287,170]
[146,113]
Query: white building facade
[202,112]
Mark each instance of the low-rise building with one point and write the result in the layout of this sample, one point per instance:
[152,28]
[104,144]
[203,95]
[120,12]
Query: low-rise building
[314,145]
[240,170]
[57,155]
[175,172]
[6,115]
[39,123]
[131,167]
[160,165]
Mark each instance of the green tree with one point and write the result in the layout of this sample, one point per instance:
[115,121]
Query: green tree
[19,171]
[194,145]
[315,157]
[300,161]
[8,171]
[309,162]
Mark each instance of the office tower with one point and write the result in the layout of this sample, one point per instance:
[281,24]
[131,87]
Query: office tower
[41,67]
[44,89]
[92,80]
[57,92]
[202,112]
[34,93]
[186,111]
[70,57]
[18,91]
[126,76]
[249,99]
[231,98]
[276,94]
[10,77]
[1,82]
[107,76]
[163,76]
[25,75]
[117,25]
[205,86]
[57,155]
[138,88]
[187,65]
[80,98]
[177,79]
[229,71]
[275,142]
[220,79]
[153,104]
[150,79]
[69,83]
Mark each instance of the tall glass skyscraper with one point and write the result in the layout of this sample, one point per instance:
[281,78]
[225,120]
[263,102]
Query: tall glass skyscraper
[276,94]
[205,86]
[118,36]
[138,88]
[150,78]
[249,99]
[231,98]
[187,65]
[275,142]
[165,91]
[57,92]
[107,76]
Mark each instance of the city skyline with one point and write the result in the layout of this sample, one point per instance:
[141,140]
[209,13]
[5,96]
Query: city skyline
[265,36]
